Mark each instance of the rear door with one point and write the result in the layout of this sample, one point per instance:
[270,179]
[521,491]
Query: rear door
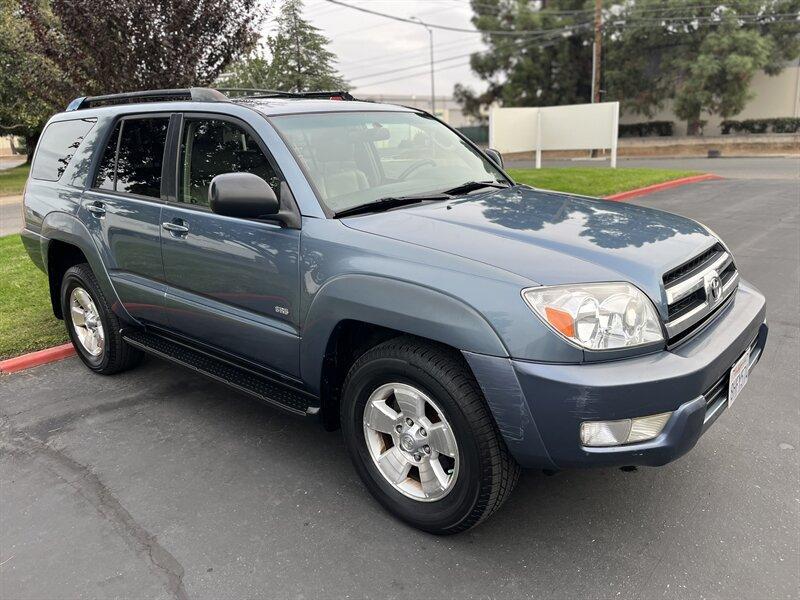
[232,284]
[122,210]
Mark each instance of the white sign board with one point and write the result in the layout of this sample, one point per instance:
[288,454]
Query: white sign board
[570,127]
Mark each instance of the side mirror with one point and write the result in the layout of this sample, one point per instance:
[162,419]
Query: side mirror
[494,156]
[242,195]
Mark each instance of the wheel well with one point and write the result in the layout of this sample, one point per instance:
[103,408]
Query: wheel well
[60,257]
[349,340]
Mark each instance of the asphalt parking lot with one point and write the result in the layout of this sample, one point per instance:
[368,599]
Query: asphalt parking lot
[159,484]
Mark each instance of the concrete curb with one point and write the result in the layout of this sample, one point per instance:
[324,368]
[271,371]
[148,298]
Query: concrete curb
[643,191]
[34,359]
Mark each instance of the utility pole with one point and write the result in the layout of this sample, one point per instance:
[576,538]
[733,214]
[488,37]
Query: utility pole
[596,49]
[430,36]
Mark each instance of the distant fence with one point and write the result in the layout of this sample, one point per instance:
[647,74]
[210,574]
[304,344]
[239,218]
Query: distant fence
[570,127]
[478,134]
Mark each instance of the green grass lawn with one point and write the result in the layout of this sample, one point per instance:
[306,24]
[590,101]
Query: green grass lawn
[13,180]
[26,318]
[591,181]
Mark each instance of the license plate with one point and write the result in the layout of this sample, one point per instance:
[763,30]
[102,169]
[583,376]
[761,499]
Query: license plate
[738,380]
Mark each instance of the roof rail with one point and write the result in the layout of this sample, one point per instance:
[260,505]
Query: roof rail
[197,94]
[260,93]
[194,94]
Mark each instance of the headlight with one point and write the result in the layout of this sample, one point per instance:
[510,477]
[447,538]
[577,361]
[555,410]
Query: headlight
[597,316]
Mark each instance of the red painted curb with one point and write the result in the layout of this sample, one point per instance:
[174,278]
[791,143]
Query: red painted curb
[661,186]
[34,359]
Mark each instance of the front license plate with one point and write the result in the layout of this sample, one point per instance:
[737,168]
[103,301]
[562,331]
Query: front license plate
[739,372]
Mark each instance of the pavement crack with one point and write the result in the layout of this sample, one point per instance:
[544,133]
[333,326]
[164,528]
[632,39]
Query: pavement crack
[90,487]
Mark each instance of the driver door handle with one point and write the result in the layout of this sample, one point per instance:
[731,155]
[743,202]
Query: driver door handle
[175,227]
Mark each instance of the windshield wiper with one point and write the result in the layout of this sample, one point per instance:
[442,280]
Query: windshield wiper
[387,203]
[471,186]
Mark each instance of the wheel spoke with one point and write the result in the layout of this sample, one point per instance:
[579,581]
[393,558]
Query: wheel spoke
[411,404]
[380,416]
[441,439]
[394,465]
[83,299]
[432,477]
[78,316]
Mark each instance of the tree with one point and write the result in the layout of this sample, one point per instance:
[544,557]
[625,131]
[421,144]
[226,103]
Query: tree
[32,87]
[55,50]
[551,67]
[701,56]
[295,58]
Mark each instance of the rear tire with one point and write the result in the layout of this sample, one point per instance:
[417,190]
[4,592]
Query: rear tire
[437,392]
[92,326]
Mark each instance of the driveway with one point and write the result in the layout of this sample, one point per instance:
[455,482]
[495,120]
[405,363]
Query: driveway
[160,484]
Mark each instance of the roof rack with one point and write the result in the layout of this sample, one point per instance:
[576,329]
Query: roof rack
[260,93]
[197,94]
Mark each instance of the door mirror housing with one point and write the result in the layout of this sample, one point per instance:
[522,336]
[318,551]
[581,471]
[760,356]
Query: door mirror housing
[242,195]
[494,156]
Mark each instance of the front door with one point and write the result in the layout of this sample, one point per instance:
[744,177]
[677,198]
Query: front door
[122,211]
[232,283]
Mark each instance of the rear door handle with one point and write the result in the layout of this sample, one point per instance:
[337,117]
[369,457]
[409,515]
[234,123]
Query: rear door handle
[97,209]
[176,228]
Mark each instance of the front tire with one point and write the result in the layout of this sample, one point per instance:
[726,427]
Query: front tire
[421,436]
[91,324]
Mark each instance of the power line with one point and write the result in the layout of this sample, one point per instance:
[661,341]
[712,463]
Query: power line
[437,61]
[502,32]
[410,75]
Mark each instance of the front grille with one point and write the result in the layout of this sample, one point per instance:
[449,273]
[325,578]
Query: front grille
[689,290]
[698,261]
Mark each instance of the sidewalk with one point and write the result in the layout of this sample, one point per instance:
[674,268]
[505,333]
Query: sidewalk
[10,214]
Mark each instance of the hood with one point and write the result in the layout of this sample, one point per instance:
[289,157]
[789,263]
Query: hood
[550,238]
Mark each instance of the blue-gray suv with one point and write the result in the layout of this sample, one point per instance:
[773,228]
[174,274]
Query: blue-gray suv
[367,264]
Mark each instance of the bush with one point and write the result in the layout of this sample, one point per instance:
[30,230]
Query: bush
[478,134]
[776,125]
[659,128]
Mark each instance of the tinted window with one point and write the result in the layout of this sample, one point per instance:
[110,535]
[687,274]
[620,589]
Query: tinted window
[212,147]
[58,144]
[104,179]
[140,156]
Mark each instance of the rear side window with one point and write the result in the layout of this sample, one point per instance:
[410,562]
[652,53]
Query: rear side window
[133,157]
[57,146]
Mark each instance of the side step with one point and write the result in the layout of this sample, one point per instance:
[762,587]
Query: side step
[261,387]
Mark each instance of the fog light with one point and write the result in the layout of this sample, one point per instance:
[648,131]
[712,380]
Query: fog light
[624,431]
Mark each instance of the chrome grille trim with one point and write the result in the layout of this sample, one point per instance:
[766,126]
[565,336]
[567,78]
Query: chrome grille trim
[691,284]
[684,288]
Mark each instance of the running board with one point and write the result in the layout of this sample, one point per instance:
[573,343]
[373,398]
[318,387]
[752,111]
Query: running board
[244,380]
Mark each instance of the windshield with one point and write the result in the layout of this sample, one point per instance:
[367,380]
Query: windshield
[356,158]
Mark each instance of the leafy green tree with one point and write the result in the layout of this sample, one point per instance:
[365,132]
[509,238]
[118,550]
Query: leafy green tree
[295,58]
[32,87]
[701,56]
[703,59]
[54,50]
[553,67]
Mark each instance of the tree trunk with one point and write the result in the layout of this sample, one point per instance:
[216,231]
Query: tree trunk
[30,145]
[694,126]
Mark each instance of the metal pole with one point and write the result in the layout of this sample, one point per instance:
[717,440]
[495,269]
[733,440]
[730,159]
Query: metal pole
[430,37]
[433,91]
[596,50]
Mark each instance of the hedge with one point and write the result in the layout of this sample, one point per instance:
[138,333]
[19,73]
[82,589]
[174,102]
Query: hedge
[778,125]
[659,128]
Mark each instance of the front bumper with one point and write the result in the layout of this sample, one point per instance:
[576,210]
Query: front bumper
[539,407]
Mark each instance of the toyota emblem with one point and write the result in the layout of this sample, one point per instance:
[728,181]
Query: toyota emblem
[713,286]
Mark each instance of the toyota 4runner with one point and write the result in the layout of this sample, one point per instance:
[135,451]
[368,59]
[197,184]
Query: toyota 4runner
[367,264]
